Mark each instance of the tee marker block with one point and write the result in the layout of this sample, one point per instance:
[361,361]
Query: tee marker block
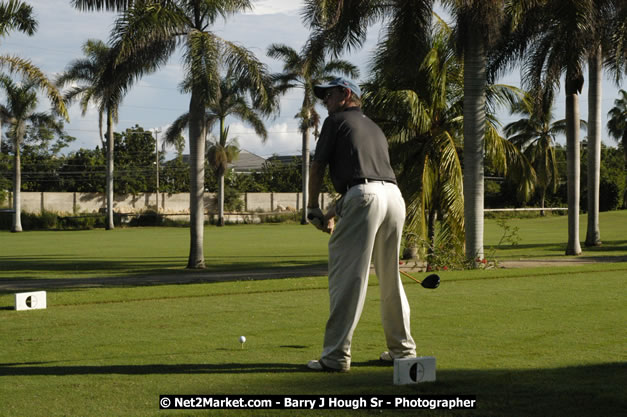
[414,370]
[30,300]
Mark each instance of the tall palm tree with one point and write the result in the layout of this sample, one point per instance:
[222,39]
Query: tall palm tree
[617,127]
[304,70]
[556,38]
[230,101]
[421,112]
[595,65]
[478,28]
[18,113]
[150,31]
[99,83]
[535,135]
[479,25]
[610,50]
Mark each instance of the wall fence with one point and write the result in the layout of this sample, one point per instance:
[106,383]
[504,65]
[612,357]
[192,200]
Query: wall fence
[78,203]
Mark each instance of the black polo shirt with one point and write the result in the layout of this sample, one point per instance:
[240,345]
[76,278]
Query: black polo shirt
[355,148]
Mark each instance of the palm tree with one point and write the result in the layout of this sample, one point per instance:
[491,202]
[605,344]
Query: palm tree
[478,28]
[18,113]
[421,113]
[593,234]
[150,31]
[305,70]
[556,38]
[617,127]
[17,15]
[230,101]
[99,84]
[479,25]
[535,135]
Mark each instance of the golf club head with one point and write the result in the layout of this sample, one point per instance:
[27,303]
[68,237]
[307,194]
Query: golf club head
[431,282]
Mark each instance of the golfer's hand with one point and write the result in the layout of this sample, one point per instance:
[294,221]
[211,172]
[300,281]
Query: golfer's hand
[316,218]
[329,224]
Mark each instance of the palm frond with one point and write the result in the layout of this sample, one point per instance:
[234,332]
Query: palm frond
[16,15]
[31,72]
[176,129]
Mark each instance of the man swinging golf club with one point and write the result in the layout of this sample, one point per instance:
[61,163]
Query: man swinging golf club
[371,214]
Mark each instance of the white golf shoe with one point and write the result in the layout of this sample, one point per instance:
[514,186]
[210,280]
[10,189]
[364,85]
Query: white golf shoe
[317,365]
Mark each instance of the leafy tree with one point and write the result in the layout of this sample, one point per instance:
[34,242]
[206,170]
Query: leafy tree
[305,70]
[83,171]
[135,157]
[41,159]
[149,32]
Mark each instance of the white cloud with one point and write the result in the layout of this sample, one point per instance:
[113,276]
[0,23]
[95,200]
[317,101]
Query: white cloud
[261,7]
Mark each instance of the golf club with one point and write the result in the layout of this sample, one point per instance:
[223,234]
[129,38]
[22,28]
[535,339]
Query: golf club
[431,282]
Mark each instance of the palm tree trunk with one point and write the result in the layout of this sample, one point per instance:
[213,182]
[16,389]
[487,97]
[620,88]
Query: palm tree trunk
[221,171]
[572,162]
[474,131]
[542,197]
[624,142]
[593,235]
[17,186]
[110,147]
[196,182]
[305,174]
[431,234]
[221,199]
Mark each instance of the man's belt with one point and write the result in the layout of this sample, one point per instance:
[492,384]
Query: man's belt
[358,181]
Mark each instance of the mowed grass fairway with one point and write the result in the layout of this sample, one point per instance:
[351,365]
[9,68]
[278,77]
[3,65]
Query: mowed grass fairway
[526,342]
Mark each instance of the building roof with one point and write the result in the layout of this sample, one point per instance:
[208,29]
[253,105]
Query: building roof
[245,162]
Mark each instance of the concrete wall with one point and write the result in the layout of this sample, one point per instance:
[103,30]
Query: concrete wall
[74,203]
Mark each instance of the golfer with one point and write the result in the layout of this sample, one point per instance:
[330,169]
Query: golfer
[371,213]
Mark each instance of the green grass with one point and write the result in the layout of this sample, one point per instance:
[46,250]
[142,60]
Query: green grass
[546,237]
[153,250]
[145,251]
[527,342]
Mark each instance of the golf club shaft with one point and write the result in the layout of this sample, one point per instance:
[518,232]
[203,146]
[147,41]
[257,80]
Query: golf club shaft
[409,276]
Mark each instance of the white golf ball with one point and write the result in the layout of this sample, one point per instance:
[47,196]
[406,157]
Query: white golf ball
[242,339]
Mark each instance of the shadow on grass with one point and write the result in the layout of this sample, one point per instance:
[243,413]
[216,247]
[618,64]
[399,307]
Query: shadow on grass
[241,271]
[569,391]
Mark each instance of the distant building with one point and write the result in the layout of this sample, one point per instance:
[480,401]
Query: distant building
[284,159]
[245,162]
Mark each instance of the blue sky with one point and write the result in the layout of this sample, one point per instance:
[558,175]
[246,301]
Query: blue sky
[156,101]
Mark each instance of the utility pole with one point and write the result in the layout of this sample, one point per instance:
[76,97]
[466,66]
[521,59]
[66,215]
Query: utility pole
[157,131]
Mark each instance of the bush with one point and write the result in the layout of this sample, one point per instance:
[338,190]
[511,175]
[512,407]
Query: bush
[147,218]
[53,221]
[232,200]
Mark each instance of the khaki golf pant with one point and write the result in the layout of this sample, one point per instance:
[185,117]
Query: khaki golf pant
[370,227]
